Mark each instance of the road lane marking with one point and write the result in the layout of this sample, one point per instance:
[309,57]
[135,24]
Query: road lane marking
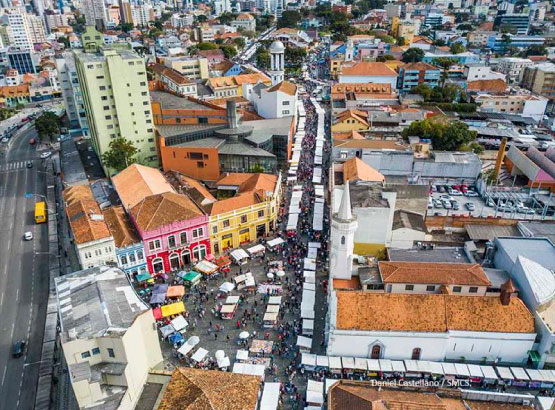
[4,376]
[2,298]
[17,295]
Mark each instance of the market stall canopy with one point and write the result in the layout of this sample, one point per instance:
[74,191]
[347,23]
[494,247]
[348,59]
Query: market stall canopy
[160,288]
[227,287]
[190,276]
[199,355]
[274,300]
[223,362]
[242,355]
[157,298]
[308,359]
[142,277]
[206,267]
[167,330]
[223,261]
[243,335]
[272,309]
[239,254]
[230,300]
[176,291]
[256,249]
[220,354]
[274,242]
[305,342]
[322,361]
[270,396]
[179,323]
[173,309]
[175,338]
[504,373]
[247,368]
[157,313]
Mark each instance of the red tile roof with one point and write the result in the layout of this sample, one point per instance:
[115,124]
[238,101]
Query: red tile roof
[368,69]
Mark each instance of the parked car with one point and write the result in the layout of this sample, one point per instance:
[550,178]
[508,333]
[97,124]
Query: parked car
[5,140]
[524,210]
[455,192]
[18,348]
[430,203]
[438,203]
[433,188]
[447,197]
[446,204]
[469,206]
[441,189]
[455,205]
[29,164]
[471,193]
[28,236]
[490,202]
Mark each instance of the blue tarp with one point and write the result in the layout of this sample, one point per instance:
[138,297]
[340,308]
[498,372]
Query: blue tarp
[176,338]
[161,288]
[157,298]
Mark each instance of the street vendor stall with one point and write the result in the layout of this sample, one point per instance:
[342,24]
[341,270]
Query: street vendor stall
[398,368]
[386,368]
[270,396]
[143,277]
[348,364]
[315,393]
[176,339]
[373,366]
[190,278]
[309,276]
[437,370]
[232,300]
[228,311]
[157,298]
[412,369]
[199,355]
[476,374]
[490,377]
[226,287]
[223,363]
[167,330]
[505,375]
[206,268]
[173,309]
[310,264]
[312,253]
[335,365]
[223,262]
[157,313]
[449,371]
[274,300]
[308,327]
[360,366]
[307,313]
[188,345]
[271,244]
[239,256]
[179,323]
[309,286]
[176,291]
[261,346]
[250,369]
[304,343]
[242,355]
[270,320]
[256,250]
[308,361]
[521,378]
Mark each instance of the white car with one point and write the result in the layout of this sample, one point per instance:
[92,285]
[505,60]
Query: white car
[5,140]
[28,236]
[455,192]
[524,210]
[45,155]
[471,193]
[447,204]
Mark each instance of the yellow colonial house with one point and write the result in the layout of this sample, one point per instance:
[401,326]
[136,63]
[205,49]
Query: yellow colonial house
[247,208]
[232,86]
[350,120]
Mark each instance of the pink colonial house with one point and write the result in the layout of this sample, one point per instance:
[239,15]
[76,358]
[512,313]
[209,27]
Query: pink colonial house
[174,231]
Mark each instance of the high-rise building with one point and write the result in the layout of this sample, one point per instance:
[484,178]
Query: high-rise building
[71,93]
[116,97]
[513,23]
[142,14]
[18,30]
[95,13]
[37,33]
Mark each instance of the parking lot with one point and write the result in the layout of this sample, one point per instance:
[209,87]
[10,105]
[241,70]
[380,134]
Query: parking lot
[479,208]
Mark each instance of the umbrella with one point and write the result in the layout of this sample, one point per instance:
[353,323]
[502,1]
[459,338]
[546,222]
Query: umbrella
[280,273]
[270,275]
[243,335]
[220,354]
[193,340]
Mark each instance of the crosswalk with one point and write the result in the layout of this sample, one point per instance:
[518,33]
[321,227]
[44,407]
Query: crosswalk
[13,166]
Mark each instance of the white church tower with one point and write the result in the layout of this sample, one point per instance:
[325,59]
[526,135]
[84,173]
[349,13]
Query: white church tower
[277,62]
[343,227]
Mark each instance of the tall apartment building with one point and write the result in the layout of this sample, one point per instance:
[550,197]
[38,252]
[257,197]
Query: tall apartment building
[540,79]
[95,13]
[142,14]
[37,33]
[195,68]
[18,30]
[71,93]
[115,94]
[513,68]
[513,23]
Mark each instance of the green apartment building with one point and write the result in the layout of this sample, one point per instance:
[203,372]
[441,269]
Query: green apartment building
[115,93]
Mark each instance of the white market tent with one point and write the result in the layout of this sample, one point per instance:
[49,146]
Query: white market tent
[504,373]
[312,253]
[316,245]
[274,242]
[475,370]
[309,276]
[272,309]
[398,366]
[179,323]
[360,364]
[315,386]
[308,327]
[307,313]
[347,362]
[489,372]
[308,359]
[242,355]
[199,355]
[223,362]
[292,222]
[449,369]
[373,365]
[247,368]
[270,396]
[519,373]
[274,300]
[255,249]
[335,362]
[167,330]
[436,368]
[230,300]
[239,254]
[386,366]
[305,342]
[322,361]
[227,287]
[309,286]
[462,369]
[314,398]
[310,264]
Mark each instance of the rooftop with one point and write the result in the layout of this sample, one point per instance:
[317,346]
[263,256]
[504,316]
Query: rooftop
[171,101]
[540,250]
[159,210]
[433,254]
[364,195]
[120,227]
[544,229]
[490,232]
[195,389]
[410,220]
[355,169]
[433,273]
[96,302]
[285,87]
[86,221]
[136,182]
[370,144]
[436,313]
[72,167]
[368,69]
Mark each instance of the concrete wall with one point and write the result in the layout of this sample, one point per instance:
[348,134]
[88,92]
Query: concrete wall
[421,289]
[101,252]
[176,158]
[404,238]
[369,79]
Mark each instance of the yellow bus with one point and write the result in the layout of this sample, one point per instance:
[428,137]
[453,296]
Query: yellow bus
[40,212]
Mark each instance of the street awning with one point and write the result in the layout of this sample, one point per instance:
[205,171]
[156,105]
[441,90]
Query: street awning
[173,309]
[176,291]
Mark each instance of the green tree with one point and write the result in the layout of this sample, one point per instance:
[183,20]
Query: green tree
[126,27]
[445,63]
[120,155]
[424,90]
[226,17]
[535,50]
[457,48]
[465,27]
[201,18]
[439,42]
[262,58]
[289,18]
[229,50]
[401,41]
[47,126]
[445,135]
[239,42]
[65,41]
[206,46]
[294,56]
[412,55]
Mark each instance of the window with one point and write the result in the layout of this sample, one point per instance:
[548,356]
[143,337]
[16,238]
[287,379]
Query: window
[416,353]
[473,289]
[285,112]
[95,350]
[195,155]
[197,233]
[376,352]
[409,287]
[104,98]
[225,223]
[457,289]
[171,241]
[143,93]
[430,288]
[142,84]
[86,354]
[108,117]
[123,259]
[111,352]
[286,103]
[200,164]
[183,238]
[261,213]
[153,245]
[342,240]
[102,87]
[132,258]
[140,255]
[243,219]
[214,229]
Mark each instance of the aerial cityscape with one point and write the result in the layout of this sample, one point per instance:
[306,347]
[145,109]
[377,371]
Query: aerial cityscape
[277,204]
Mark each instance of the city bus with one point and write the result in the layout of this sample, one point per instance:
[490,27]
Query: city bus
[40,212]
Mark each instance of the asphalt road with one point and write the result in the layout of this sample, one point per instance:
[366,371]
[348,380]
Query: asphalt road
[23,272]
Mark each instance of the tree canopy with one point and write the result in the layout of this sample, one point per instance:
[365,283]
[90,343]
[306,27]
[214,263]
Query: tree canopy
[289,18]
[47,125]
[120,155]
[445,135]
[457,48]
[412,55]
[229,50]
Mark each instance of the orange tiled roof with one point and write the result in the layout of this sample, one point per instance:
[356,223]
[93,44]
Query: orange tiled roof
[420,66]
[361,88]
[21,90]
[470,274]
[245,16]
[86,221]
[170,73]
[159,210]
[237,80]
[77,193]
[421,39]
[355,169]
[351,135]
[368,69]
[196,389]
[360,116]
[497,86]
[285,87]
[285,30]
[136,182]
[247,182]
[120,227]
[351,284]
[434,313]
[234,203]
[211,53]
